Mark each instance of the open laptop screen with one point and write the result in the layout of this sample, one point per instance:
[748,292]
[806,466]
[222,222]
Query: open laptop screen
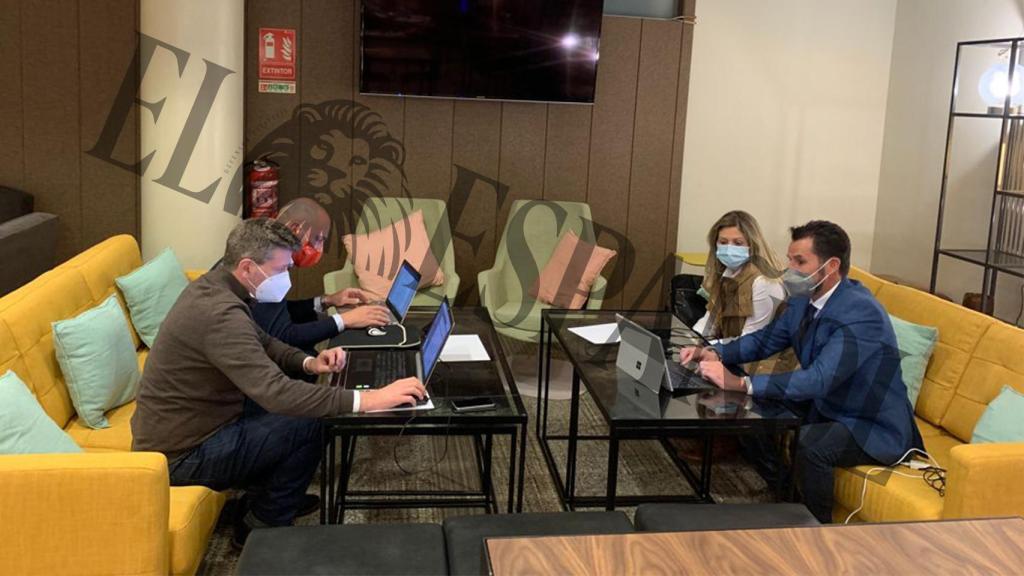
[403,290]
[434,341]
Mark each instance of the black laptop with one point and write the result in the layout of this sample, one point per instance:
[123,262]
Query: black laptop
[367,371]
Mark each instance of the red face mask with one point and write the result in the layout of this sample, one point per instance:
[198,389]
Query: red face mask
[307,256]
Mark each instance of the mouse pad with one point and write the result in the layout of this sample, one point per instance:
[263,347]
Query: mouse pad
[393,336]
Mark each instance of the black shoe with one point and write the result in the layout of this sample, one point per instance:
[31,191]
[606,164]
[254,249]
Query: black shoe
[309,504]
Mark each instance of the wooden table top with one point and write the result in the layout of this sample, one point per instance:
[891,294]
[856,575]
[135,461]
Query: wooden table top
[990,546]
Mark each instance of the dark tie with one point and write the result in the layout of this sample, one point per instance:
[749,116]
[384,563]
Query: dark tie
[805,323]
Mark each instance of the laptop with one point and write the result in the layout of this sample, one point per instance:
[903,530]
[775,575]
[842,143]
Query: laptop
[642,356]
[393,334]
[368,371]
[402,291]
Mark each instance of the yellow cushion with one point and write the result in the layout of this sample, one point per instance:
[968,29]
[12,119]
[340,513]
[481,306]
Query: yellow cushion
[102,263]
[960,330]
[893,498]
[997,361]
[870,281]
[59,295]
[117,438]
[193,516]
[927,429]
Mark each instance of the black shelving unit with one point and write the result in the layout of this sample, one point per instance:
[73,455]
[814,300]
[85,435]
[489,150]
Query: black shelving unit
[1003,251]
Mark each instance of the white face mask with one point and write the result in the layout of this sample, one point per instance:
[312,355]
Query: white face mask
[273,288]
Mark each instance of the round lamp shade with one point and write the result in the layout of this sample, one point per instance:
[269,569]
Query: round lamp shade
[995,83]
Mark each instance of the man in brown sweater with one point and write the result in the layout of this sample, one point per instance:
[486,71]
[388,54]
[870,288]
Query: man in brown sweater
[218,395]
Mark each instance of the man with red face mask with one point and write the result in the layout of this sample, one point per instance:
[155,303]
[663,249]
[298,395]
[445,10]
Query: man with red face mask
[305,323]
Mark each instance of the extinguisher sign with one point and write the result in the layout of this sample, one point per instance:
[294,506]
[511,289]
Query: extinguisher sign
[277,60]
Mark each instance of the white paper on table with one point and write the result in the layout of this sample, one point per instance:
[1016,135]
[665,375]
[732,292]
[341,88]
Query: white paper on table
[464,348]
[429,405]
[598,333]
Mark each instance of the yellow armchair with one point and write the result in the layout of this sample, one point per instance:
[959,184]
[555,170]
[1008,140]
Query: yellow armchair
[985,480]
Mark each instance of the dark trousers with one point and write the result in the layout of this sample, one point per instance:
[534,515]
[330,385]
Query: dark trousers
[823,447]
[272,457]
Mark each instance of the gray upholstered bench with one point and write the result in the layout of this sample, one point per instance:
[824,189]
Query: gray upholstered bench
[464,535]
[363,549]
[698,517]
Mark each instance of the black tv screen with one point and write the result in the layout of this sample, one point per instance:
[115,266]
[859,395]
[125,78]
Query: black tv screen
[545,50]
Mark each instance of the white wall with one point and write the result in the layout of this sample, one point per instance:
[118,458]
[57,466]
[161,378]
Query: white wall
[786,114]
[915,137]
[213,31]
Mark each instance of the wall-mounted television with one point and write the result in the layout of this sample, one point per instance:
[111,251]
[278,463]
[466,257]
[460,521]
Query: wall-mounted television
[540,50]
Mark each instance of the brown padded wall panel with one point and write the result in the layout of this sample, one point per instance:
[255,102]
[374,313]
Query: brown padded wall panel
[476,143]
[12,160]
[611,142]
[650,183]
[324,55]
[523,133]
[110,193]
[567,152]
[52,141]
[428,147]
[678,145]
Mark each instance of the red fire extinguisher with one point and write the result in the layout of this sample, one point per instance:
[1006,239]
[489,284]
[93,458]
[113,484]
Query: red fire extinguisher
[261,189]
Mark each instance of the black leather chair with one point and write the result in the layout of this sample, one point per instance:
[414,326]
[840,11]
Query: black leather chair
[698,517]
[464,535]
[363,549]
[28,240]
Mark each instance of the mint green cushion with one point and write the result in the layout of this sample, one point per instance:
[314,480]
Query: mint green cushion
[150,290]
[916,344]
[1001,421]
[24,427]
[97,357]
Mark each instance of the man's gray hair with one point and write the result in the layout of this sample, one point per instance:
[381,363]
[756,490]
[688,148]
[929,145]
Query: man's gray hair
[256,239]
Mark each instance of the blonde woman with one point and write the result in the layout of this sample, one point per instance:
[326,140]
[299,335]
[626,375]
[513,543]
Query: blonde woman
[741,279]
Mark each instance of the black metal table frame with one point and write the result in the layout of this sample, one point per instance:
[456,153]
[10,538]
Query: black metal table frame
[640,430]
[335,497]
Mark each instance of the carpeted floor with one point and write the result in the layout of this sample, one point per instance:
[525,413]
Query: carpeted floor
[644,468]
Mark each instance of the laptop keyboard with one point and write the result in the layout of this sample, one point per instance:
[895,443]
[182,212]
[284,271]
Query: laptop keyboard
[390,365]
[683,379]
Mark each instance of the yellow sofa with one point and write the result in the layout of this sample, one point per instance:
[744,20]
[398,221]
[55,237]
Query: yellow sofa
[976,355]
[108,510]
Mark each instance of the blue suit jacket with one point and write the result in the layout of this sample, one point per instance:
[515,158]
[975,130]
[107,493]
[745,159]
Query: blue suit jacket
[850,369]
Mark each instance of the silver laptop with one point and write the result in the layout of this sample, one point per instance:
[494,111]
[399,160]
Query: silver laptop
[642,356]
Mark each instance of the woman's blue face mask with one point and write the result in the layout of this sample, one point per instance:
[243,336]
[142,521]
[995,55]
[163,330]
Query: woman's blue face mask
[732,256]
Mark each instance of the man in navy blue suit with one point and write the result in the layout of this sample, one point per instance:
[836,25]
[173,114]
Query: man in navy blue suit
[849,387]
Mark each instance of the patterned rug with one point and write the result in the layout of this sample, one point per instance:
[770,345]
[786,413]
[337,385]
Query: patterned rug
[644,468]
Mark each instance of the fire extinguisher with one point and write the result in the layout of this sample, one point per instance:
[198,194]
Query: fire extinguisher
[261,189]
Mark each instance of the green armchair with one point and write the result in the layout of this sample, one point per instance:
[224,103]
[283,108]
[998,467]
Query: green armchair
[531,235]
[380,212]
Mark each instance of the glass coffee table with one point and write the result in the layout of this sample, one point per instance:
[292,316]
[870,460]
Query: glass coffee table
[490,379]
[631,411]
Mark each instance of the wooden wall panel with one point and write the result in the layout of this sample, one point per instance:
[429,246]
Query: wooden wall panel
[679,138]
[611,143]
[523,134]
[12,158]
[650,183]
[52,135]
[476,147]
[567,152]
[109,193]
[428,147]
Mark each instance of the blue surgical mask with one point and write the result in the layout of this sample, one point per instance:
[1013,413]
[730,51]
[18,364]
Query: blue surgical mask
[798,283]
[732,256]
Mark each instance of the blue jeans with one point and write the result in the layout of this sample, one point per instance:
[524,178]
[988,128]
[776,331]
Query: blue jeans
[272,457]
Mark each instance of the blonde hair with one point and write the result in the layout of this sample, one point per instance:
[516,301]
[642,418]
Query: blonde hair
[761,255]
